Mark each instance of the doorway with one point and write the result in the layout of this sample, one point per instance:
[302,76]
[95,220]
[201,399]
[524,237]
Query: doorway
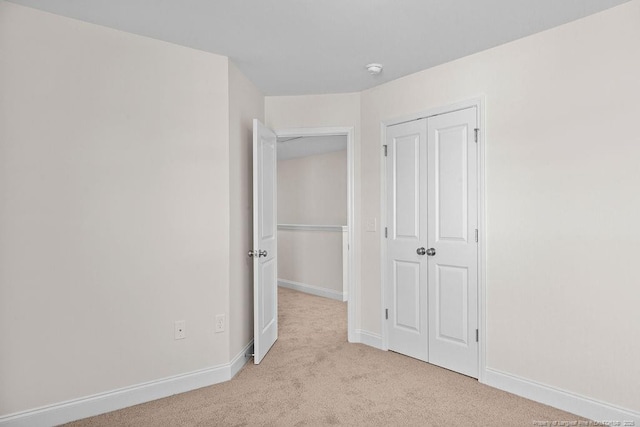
[312,215]
[431,258]
[329,141]
[265,230]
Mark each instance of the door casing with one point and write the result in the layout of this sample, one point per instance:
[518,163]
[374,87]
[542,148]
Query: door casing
[479,103]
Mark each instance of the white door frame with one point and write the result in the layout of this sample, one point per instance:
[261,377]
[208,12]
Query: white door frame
[349,133]
[479,103]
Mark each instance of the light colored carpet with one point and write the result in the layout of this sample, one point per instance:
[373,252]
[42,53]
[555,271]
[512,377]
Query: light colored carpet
[313,377]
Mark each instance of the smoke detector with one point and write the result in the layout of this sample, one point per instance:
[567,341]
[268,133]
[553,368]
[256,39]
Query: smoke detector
[374,69]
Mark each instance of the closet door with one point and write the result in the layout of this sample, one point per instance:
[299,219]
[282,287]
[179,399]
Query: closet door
[406,269]
[453,248]
[431,282]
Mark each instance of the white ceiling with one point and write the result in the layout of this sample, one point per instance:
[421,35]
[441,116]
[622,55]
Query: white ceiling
[289,47]
[292,148]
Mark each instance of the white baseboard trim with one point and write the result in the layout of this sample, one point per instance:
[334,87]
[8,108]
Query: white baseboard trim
[97,404]
[368,338]
[567,401]
[240,360]
[310,289]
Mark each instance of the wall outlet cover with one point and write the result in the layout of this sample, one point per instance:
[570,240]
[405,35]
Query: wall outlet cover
[180,329]
[220,323]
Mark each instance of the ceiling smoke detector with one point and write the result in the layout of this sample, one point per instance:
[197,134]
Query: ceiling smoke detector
[374,69]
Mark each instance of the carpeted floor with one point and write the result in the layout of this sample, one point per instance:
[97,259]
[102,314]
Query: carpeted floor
[313,377]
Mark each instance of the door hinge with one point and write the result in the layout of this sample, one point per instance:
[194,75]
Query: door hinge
[386,234]
[476,235]
[385,150]
[386,314]
[476,131]
[477,334]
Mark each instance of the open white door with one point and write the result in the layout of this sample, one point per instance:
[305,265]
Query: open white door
[265,241]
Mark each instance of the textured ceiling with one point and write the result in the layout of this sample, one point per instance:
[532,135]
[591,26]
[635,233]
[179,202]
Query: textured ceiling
[290,47]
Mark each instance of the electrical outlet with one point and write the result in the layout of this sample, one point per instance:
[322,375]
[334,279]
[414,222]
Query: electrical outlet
[180,329]
[220,323]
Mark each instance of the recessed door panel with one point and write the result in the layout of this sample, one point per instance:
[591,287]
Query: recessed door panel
[406,163]
[268,176]
[452,186]
[407,291]
[270,289]
[452,292]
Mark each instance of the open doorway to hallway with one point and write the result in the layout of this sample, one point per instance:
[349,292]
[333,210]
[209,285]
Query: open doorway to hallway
[312,215]
[315,212]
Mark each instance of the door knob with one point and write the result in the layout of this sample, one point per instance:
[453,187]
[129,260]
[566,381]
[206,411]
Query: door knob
[431,251]
[259,253]
[421,251]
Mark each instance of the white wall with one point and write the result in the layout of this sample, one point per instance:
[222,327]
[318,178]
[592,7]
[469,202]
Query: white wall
[562,157]
[313,189]
[245,103]
[311,258]
[113,163]
[310,111]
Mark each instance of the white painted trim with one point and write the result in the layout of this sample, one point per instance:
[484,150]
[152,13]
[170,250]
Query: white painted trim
[240,359]
[312,227]
[352,303]
[310,289]
[482,237]
[368,338]
[113,400]
[345,264]
[561,399]
[384,325]
[479,103]
[476,101]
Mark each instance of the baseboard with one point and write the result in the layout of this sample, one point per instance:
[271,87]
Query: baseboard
[368,338]
[240,360]
[124,397]
[567,401]
[310,289]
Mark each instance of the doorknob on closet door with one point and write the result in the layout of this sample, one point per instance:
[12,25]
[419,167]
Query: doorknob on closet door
[261,253]
[423,251]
